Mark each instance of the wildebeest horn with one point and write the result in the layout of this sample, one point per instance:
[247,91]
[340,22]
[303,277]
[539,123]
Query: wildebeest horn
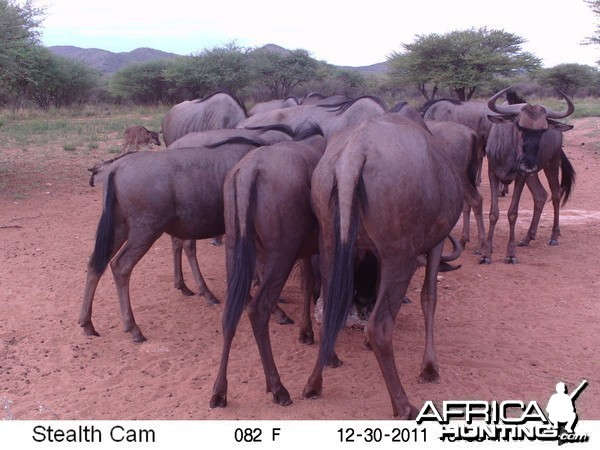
[550,114]
[504,109]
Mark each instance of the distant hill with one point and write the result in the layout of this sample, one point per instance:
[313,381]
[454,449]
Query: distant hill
[107,62]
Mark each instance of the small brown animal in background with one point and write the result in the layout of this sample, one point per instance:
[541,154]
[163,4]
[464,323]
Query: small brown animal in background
[136,135]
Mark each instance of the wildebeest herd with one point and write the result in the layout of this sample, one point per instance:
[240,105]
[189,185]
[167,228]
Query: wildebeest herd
[335,184]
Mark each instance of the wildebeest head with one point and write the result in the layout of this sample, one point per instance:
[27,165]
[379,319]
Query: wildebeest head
[531,122]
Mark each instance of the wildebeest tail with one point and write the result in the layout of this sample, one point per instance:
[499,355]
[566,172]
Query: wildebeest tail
[105,234]
[473,167]
[341,286]
[240,271]
[567,180]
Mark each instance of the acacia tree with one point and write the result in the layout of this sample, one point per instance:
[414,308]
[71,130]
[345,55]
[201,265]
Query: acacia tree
[568,77]
[212,69]
[280,72]
[459,60]
[143,83]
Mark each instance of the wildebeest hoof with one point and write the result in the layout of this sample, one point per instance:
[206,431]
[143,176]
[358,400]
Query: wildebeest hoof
[186,291]
[485,260]
[552,242]
[211,301]
[511,260]
[285,321]
[89,330]
[409,413]
[139,339]
[312,393]
[406,300]
[334,361]
[429,375]
[218,401]
[282,398]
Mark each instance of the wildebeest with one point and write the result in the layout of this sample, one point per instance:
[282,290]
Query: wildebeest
[137,135]
[221,109]
[382,186]
[269,226]
[268,135]
[472,114]
[459,143]
[525,139]
[184,200]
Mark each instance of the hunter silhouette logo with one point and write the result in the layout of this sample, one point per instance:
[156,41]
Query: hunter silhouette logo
[508,420]
[561,411]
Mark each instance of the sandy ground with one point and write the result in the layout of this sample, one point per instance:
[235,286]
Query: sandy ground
[503,332]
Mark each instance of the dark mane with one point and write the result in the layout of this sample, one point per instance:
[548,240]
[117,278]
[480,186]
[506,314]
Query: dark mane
[398,107]
[284,128]
[306,130]
[239,140]
[343,106]
[429,103]
[229,93]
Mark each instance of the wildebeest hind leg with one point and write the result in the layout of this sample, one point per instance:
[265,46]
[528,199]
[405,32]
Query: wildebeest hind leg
[92,279]
[177,246]
[393,286]
[273,278]
[122,265]
[189,247]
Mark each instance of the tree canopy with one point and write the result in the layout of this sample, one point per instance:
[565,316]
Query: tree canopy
[459,60]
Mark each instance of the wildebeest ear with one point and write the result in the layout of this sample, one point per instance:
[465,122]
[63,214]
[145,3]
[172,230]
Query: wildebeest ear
[503,118]
[559,126]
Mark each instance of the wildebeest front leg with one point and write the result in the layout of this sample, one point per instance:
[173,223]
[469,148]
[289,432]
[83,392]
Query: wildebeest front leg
[513,213]
[429,366]
[189,247]
[177,245]
[380,327]
[539,195]
[488,248]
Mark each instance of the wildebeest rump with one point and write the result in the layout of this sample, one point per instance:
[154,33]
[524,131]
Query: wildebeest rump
[382,186]
[525,139]
[137,135]
[184,199]
[269,226]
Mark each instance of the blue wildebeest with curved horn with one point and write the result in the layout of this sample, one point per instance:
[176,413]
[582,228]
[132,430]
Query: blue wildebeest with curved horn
[525,139]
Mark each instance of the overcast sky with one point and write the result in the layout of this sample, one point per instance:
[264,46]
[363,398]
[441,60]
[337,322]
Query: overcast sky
[342,33]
